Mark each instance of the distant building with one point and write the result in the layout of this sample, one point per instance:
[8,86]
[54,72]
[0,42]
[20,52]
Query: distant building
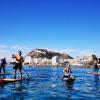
[28,60]
[55,60]
[87,58]
[61,61]
[37,61]
[79,61]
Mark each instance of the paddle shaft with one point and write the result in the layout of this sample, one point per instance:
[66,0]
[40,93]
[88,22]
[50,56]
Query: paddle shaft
[26,72]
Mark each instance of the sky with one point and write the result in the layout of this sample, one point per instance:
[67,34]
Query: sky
[71,26]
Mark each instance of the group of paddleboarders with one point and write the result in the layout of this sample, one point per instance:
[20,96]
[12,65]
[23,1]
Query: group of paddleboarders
[18,66]
[18,60]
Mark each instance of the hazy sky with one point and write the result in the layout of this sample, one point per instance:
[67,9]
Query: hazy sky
[73,25]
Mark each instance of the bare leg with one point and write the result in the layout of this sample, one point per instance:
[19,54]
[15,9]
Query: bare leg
[20,72]
[15,74]
[0,69]
[4,69]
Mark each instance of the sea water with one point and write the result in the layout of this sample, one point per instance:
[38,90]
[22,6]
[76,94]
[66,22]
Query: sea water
[45,84]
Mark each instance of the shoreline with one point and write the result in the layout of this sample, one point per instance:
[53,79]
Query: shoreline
[73,66]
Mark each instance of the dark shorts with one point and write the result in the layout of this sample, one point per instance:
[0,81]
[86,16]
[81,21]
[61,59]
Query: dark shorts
[2,66]
[96,69]
[18,66]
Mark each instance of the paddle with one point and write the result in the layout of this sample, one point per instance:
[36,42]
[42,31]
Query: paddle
[26,73]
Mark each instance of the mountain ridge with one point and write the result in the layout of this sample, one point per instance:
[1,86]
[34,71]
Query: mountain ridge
[44,53]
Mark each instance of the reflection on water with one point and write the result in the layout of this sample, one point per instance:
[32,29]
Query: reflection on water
[68,85]
[96,85]
[45,84]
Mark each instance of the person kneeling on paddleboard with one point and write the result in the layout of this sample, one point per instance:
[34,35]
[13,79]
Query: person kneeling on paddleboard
[18,63]
[67,71]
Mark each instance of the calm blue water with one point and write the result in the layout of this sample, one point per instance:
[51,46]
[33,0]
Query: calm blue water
[45,84]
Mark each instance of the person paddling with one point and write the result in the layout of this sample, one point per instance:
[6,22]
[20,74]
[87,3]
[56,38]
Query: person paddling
[67,71]
[18,63]
[96,68]
[3,64]
[67,77]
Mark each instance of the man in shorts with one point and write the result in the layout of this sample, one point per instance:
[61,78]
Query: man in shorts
[18,63]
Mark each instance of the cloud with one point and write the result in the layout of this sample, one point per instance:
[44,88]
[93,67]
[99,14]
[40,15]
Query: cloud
[3,51]
[78,52]
[19,47]
[7,51]
[13,47]
[86,52]
[3,46]
[67,50]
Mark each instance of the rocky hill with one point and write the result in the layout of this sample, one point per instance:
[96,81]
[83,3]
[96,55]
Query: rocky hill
[43,53]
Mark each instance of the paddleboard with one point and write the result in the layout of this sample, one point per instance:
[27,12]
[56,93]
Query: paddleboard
[95,73]
[69,80]
[9,80]
[4,73]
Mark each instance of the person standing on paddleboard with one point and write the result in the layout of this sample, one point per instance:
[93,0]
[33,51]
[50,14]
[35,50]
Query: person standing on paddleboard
[96,68]
[3,64]
[18,63]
